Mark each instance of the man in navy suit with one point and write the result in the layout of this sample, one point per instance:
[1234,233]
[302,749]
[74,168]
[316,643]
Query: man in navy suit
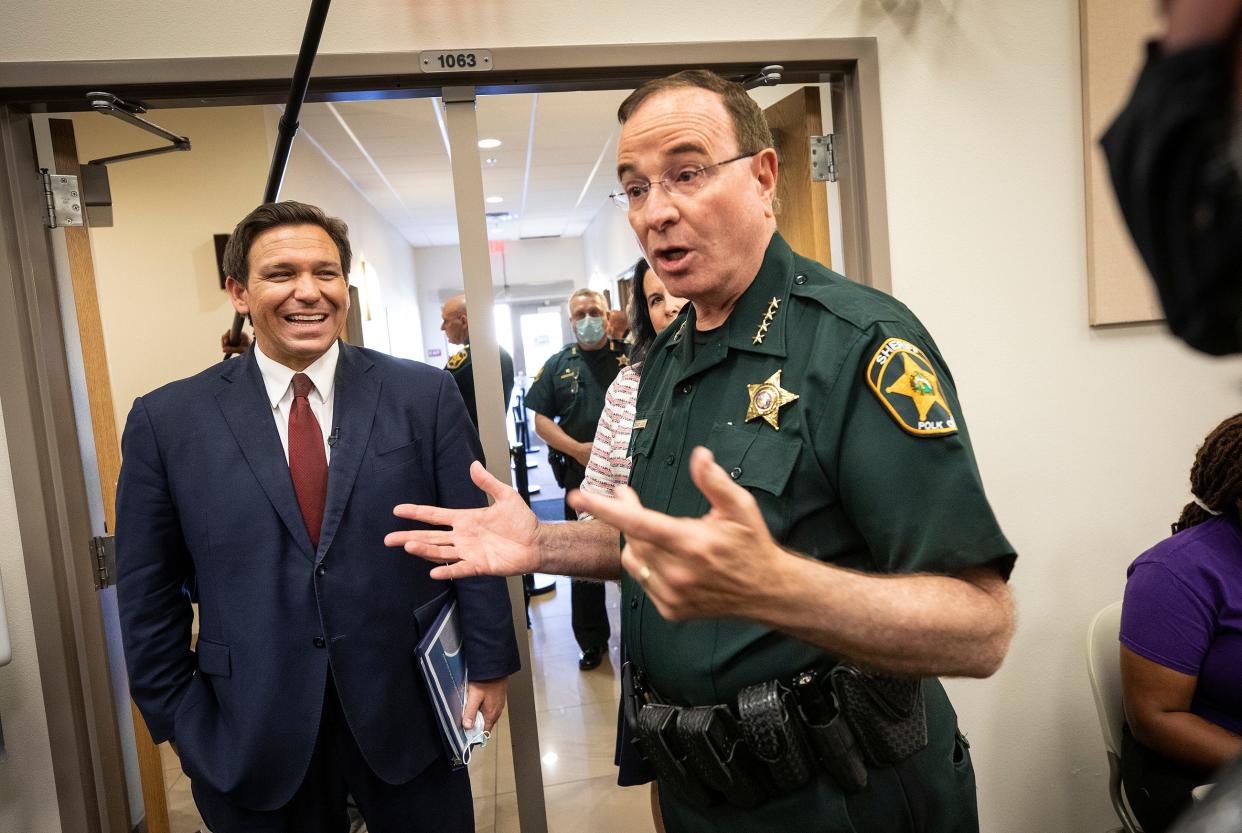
[263,488]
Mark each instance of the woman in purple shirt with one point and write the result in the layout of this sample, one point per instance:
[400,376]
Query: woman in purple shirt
[1181,642]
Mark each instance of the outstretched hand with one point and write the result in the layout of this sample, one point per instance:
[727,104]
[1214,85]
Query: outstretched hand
[497,540]
[694,567]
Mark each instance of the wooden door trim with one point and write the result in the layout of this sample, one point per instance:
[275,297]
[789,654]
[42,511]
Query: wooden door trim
[108,458]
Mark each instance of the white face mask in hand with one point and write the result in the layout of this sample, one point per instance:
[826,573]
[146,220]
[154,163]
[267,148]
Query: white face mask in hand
[476,737]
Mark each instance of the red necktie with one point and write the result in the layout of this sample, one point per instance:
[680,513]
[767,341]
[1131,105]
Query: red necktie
[308,464]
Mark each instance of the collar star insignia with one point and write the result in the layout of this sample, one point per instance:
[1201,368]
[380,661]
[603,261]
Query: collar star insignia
[920,385]
[623,360]
[762,332]
[767,399]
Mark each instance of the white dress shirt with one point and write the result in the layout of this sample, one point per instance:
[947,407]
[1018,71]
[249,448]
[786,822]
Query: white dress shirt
[278,380]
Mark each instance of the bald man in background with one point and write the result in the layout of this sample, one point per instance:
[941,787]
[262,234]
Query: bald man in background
[456,326]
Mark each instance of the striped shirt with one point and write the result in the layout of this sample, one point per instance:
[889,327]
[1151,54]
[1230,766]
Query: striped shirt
[610,462]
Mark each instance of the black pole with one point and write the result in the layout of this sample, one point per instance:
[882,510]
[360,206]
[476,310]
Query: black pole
[289,121]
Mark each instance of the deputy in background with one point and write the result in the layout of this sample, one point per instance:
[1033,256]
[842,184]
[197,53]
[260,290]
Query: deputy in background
[808,545]
[568,398]
[456,326]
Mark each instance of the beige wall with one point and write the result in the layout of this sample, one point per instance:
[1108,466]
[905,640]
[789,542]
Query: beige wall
[1084,436]
[27,799]
[159,291]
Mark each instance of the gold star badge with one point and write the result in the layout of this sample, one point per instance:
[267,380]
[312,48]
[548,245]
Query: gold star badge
[762,332]
[920,384]
[623,360]
[767,399]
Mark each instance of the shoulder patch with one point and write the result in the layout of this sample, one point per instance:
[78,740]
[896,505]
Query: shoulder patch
[902,377]
[455,360]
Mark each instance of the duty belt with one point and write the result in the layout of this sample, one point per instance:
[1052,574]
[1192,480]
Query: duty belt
[778,735]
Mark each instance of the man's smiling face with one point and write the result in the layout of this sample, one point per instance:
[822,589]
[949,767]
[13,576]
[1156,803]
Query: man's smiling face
[296,293]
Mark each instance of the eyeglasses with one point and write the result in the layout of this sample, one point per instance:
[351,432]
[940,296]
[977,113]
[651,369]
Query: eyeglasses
[679,181]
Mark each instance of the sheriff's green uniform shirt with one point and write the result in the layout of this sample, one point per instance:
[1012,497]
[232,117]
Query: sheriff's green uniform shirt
[830,403]
[571,386]
[460,366]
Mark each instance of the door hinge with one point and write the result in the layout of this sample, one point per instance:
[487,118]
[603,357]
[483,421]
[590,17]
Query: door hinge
[103,559]
[823,159]
[64,200]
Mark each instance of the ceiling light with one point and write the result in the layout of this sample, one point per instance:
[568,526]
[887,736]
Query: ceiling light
[494,200]
[488,144]
[491,160]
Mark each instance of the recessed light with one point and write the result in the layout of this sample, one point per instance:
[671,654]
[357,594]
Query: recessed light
[491,160]
[494,200]
[488,144]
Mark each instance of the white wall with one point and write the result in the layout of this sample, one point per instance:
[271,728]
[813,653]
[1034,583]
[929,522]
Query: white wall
[609,248]
[27,797]
[525,264]
[1084,437]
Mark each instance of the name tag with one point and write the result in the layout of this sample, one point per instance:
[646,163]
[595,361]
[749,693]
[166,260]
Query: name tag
[640,423]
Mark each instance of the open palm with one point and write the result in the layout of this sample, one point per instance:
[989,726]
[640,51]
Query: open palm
[498,540]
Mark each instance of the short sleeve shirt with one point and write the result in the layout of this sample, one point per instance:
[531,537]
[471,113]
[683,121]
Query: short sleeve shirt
[570,387]
[1183,610]
[830,403]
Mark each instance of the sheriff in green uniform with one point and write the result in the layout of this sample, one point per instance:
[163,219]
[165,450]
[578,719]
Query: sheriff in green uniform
[830,403]
[568,398]
[805,495]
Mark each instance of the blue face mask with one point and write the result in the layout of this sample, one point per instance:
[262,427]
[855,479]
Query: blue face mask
[590,329]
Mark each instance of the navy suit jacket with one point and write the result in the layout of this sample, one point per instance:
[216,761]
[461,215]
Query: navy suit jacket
[205,505]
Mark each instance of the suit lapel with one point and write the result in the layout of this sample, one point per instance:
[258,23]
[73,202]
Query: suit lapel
[244,403]
[355,397]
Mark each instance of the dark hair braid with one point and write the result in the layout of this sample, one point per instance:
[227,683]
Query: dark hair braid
[1216,476]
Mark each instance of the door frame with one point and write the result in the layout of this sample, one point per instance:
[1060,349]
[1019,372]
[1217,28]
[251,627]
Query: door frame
[53,507]
[54,519]
[850,65]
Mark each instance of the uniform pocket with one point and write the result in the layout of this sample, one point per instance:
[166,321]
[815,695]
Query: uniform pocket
[762,462]
[643,437]
[756,460]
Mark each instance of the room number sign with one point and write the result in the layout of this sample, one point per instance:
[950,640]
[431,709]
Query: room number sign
[456,60]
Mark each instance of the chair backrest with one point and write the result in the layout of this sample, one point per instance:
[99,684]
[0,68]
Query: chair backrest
[1104,669]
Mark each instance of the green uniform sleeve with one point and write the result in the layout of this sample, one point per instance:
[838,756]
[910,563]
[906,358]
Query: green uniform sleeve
[542,398]
[906,471]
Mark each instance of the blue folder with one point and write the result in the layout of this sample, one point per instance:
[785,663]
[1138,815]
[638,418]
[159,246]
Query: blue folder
[444,670]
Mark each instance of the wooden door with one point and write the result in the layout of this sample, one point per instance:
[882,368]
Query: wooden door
[107,445]
[802,215]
